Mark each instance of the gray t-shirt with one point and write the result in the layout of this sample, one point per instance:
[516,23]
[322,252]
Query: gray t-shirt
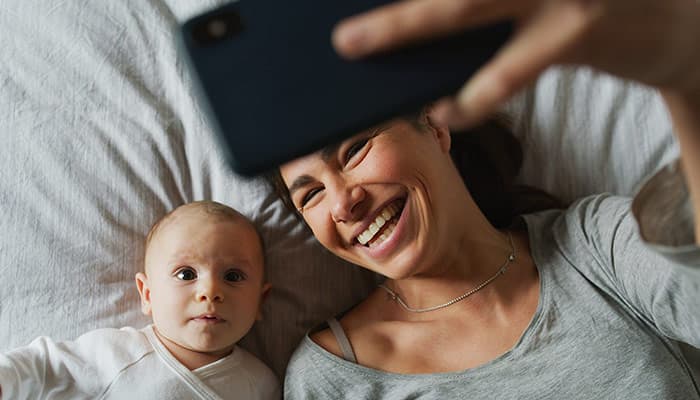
[611,313]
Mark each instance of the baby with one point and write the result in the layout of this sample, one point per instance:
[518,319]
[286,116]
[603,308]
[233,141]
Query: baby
[203,285]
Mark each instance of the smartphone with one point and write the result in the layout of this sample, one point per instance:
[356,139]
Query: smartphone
[275,89]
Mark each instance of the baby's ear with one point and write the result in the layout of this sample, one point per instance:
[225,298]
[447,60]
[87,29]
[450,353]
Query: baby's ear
[263,296]
[144,292]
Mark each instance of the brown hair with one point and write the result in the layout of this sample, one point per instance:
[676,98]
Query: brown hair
[488,158]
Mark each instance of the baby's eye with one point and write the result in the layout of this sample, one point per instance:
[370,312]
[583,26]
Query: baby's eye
[234,275]
[186,274]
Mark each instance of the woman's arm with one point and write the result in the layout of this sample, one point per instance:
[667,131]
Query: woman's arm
[685,114]
[649,41]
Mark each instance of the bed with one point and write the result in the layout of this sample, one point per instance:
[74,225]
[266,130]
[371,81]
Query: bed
[101,135]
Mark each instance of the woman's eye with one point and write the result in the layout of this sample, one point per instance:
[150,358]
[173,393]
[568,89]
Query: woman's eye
[355,148]
[186,274]
[309,196]
[234,276]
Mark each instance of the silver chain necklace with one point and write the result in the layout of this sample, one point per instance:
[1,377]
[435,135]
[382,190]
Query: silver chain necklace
[501,271]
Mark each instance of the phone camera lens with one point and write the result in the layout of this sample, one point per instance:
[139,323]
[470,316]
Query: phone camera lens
[217,28]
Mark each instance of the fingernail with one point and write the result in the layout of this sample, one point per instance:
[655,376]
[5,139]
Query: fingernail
[467,96]
[467,101]
[451,114]
[349,39]
[441,112]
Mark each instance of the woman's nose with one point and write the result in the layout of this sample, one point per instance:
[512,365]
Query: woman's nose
[345,203]
[209,290]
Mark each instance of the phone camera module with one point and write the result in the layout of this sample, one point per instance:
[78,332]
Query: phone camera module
[217,28]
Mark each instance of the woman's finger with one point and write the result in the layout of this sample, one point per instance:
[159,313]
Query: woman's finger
[446,111]
[409,21]
[548,37]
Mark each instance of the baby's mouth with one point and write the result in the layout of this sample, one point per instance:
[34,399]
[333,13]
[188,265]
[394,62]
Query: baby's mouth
[383,225]
[208,318]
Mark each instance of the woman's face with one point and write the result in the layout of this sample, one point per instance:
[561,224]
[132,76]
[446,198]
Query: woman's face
[380,199]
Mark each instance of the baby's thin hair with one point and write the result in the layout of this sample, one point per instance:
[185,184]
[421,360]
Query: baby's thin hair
[212,208]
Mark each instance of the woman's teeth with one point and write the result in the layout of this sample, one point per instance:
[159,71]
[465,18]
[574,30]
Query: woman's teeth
[375,227]
[384,236]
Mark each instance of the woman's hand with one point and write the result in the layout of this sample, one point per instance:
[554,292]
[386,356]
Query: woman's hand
[656,42]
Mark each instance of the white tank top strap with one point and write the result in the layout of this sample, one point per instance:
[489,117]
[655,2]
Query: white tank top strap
[342,339]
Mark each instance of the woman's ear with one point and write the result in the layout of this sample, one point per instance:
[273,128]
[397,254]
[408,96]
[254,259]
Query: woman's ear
[144,292]
[440,130]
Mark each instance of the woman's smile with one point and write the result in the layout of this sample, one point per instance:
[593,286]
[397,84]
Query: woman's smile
[386,238]
[382,225]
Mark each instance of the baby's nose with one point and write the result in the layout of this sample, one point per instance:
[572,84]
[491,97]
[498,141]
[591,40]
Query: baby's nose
[209,290]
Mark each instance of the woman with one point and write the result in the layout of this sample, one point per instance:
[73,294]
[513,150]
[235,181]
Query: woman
[560,304]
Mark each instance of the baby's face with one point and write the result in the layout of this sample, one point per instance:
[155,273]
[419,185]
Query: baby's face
[205,282]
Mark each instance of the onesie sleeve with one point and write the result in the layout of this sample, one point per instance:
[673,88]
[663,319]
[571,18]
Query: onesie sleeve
[31,372]
[83,368]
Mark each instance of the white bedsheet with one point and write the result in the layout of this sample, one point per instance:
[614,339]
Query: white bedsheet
[101,135]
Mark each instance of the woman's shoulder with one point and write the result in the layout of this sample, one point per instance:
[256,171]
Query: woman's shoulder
[355,324]
[599,210]
[576,233]
[327,341]
[315,356]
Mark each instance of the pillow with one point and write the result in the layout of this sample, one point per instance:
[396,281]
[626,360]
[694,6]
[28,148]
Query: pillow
[585,132]
[103,135]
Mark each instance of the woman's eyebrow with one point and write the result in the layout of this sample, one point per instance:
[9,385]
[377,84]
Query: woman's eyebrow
[299,182]
[329,151]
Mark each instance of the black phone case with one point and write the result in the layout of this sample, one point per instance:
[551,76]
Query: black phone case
[276,89]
